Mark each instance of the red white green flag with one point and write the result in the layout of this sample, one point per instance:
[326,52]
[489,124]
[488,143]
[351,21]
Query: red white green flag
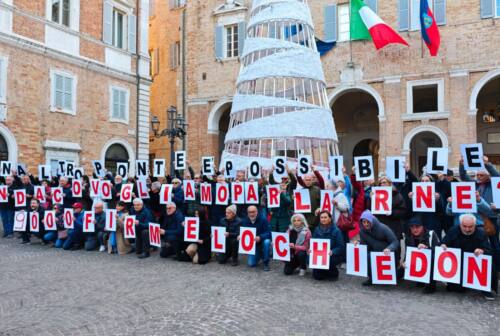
[365,24]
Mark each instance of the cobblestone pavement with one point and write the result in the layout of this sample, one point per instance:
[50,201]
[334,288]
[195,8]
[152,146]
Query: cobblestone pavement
[45,291]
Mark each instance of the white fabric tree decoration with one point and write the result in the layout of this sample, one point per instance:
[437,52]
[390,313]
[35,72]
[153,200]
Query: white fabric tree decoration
[280,107]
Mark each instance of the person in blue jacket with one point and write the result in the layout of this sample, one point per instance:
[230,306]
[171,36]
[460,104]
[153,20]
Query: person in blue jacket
[75,236]
[172,230]
[142,219]
[328,230]
[262,239]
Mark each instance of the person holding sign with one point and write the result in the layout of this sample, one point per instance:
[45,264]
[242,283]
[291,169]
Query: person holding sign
[68,199]
[423,197]
[93,240]
[117,242]
[398,209]
[75,238]
[300,236]
[328,230]
[378,237]
[482,210]
[262,239]
[7,209]
[59,236]
[177,193]
[142,219]
[469,238]
[421,238]
[307,182]
[280,217]
[173,233]
[26,235]
[201,252]
[485,188]
[232,224]
[28,188]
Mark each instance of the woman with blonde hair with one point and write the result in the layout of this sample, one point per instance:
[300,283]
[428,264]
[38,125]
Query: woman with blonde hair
[299,245]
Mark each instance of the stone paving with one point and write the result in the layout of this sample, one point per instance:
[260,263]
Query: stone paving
[45,291]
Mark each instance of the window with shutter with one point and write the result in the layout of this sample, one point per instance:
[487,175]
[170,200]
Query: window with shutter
[440,11]
[119,104]
[404,15]
[63,92]
[3,80]
[344,27]
[219,43]
[487,8]
[330,28]
[497,11]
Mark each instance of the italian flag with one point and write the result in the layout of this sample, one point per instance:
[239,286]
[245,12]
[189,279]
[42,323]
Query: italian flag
[366,25]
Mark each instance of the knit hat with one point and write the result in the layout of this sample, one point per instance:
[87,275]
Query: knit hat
[176,180]
[415,221]
[232,208]
[77,205]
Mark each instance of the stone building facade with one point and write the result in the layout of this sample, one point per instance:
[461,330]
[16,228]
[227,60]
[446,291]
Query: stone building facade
[396,101]
[75,81]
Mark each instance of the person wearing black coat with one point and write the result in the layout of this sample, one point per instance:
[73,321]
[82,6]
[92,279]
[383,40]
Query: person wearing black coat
[201,251]
[142,219]
[232,224]
[472,239]
[26,235]
[420,237]
[7,209]
[172,231]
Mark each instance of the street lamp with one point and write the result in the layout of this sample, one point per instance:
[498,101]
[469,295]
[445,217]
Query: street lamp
[177,127]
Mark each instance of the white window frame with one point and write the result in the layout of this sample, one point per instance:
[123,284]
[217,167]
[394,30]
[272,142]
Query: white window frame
[415,4]
[53,107]
[339,23]
[124,28]
[74,15]
[409,97]
[174,4]
[112,118]
[234,26]
[4,61]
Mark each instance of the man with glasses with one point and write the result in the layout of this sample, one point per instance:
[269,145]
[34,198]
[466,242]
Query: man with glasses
[483,186]
[142,219]
[262,239]
[177,193]
[172,230]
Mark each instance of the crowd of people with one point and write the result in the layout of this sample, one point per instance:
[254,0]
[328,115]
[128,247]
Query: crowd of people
[350,221]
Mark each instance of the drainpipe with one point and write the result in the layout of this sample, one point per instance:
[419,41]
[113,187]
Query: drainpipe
[137,81]
[184,71]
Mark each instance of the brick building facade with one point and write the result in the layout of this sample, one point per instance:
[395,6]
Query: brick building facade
[397,101]
[74,80]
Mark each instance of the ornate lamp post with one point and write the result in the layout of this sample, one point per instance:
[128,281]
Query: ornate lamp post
[177,127]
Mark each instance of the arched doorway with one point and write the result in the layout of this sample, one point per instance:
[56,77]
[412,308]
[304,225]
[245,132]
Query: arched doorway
[488,119]
[356,115]
[224,126]
[4,149]
[114,154]
[368,147]
[418,150]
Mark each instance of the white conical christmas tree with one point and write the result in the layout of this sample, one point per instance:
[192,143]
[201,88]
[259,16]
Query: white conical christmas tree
[280,107]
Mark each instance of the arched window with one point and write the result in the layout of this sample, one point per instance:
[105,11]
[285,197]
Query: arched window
[115,153]
[4,150]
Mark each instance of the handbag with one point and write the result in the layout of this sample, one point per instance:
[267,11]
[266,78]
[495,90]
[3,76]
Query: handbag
[62,234]
[489,227]
[345,223]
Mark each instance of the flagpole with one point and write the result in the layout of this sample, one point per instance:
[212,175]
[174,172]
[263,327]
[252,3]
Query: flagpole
[350,37]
